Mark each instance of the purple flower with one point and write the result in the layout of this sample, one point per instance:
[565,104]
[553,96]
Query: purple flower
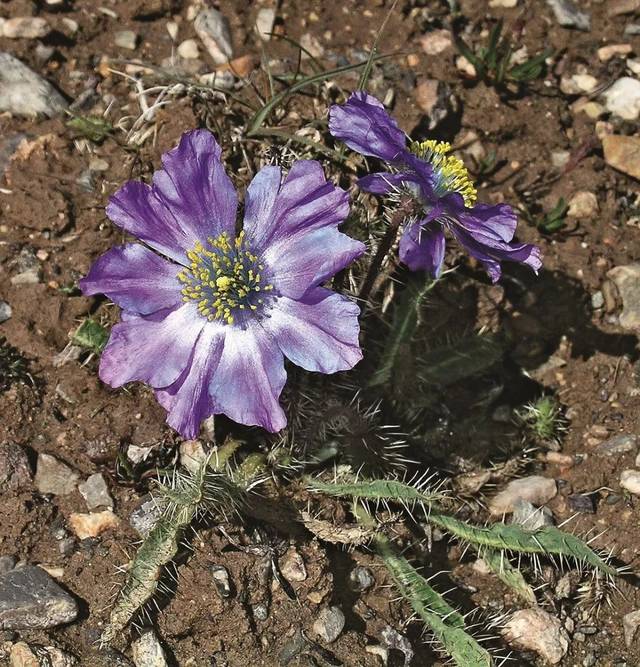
[210,315]
[441,187]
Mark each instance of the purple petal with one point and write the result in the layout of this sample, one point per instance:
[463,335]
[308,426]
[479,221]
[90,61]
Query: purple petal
[187,400]
[303,261]
[153,350]
[366,127]
[305,201]
[384,182]
[319,332]
[497,222]
[249,379]
[135,278]
[422,247]
[191,199]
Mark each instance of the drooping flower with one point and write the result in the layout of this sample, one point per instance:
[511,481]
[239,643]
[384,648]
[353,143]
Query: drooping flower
[208,314]
[441,186]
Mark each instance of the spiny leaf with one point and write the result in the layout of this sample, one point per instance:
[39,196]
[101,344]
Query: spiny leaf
[405,323]
[445,622]
[508,574]
[91,335]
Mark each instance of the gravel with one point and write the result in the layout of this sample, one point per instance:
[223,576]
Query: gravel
[329,624]
[54,477]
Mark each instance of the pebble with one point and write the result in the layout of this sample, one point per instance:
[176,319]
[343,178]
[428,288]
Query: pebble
[97,164]
[597,300]
[30,599]
[7,563]
[538,631]
[582,502]
[534,489]
[634,65]
[54,477]
[15,470]
[213,29]
[630,624]
[436,41]
[623,98]
[618,444]
[25,93]
[620,7]
[329,624]
[265,19]
[92,525]
[471,482]
[583,204]
[96,492]
[559,159]
[144,517]
[221,580]
[577,84]
[31,276]
[507,4]
[436,99]
[627,280]
[312,45]
[292,566]
[465,67]
[260,611]
[622,153]
[189,49]
[569,16]
[27,27]
[396,641]
[126,39]
[530,517]
[630,480]
[148,652]
[605,53]
[192,455]
[361,579]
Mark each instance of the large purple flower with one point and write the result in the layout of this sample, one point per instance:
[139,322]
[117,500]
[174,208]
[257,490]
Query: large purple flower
[210,315]
[440,184]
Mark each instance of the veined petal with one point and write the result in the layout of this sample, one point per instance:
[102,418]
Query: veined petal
[319,332]
[365,126]
[496,222]
[249,379]
[384,182]
[187,400]
[135,278]
[305,201]
[153,350]
[422,247]
[303,261]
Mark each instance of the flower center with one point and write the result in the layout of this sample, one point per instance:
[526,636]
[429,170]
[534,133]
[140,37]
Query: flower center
[225,278]
[450,173]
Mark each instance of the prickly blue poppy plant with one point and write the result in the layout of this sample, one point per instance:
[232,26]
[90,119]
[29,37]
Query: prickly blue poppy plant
[208,314]
[439,184]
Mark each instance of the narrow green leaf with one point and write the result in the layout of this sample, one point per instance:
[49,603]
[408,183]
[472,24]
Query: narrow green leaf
[94,128]
[378,489]
[508,574]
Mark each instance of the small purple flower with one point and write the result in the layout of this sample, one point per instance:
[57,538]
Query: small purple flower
[440,184]
[209,317]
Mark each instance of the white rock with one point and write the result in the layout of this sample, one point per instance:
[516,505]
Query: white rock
[577,84]
[25,93]
[27,27]
[126,39]
[535,489]
[464,66]
[213,29]
[507,4]
[5,311]
[627,280]
[312,45]
[148,652]
[92,525]
[630,480]
[71,25]
[560,158]
[623,98]
[265,20]
[634,65]
[583,204]
[189,49]
[172,29]
[536,630]
[605,53]
[436,41]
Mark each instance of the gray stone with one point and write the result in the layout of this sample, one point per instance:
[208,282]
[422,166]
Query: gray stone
[630,624]
[221,580]
[25,93]
[30,599]
[7,563]
[535,489]
[329,624]
[569,16]
[55,477]
[361,579]
[5,311]
[394,640]
[531,517]
[15,470]
[24,27]
[627,280]
[126,39]
[96,492]
[623,98]
[538,631]
[265,20]
[619,444]
[213,29]
[148,652]
[292,566]
[260,611]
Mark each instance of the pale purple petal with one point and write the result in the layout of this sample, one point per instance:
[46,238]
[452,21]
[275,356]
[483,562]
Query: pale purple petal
[152,350]
[365,126]
[303,261]
[384,182]
[496,222]
[187,400]
[135,278]
[319,332]
[249,379]
[305,201]
[422,247]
